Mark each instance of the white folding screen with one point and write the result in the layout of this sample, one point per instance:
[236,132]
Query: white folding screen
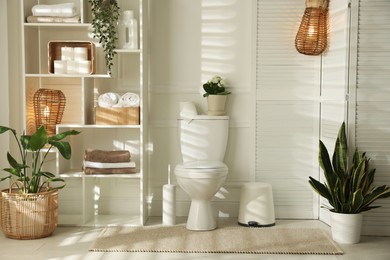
[299,99]
[287,110]
[373,101]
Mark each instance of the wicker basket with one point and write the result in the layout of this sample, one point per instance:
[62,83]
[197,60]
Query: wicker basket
[28,216]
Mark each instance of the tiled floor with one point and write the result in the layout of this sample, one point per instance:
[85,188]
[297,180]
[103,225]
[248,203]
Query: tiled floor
[70,243]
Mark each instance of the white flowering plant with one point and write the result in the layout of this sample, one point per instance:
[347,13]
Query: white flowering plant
[215,86]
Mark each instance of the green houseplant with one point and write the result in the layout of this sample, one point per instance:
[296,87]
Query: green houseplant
[105,15]
[216,95]
[33,202]
[348,185]
[215,86]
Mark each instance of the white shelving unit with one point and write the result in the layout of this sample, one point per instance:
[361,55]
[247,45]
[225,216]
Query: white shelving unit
[91,200]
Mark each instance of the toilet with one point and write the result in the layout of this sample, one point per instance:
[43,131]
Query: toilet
[203,141]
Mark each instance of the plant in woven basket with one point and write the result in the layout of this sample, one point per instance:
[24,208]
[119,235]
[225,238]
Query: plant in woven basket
[31,147]
[105,15]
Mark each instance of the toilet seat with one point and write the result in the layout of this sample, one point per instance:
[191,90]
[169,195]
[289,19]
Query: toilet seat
[201,169]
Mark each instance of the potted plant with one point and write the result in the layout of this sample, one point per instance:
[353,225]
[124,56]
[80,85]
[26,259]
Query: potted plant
[105,15]
[348,188]
[29,208]
[216,95]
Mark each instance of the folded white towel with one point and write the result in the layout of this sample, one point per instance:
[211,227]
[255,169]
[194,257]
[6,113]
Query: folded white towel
[59,10]
[109,99]
[129,100]
[100,165]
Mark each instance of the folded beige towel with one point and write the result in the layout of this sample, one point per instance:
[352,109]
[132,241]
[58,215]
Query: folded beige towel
[114,156]
[52,19]
[90,171]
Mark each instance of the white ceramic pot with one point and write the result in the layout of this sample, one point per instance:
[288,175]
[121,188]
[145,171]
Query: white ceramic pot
[346,228]
[216,105]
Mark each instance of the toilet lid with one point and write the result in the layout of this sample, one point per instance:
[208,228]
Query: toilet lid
[203,165]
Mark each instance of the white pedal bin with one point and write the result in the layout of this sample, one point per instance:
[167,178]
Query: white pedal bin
[256,205]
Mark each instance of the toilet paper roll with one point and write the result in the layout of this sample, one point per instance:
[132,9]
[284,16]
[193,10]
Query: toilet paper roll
[72,67]
[188,110]
[67,53]
[85,67]
[169,204]
[60,67]
[80,53]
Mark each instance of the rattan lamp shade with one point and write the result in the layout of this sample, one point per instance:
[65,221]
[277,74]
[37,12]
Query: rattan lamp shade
[49,106]
[312,36]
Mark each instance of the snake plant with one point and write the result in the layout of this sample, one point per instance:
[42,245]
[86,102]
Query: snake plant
[348,186]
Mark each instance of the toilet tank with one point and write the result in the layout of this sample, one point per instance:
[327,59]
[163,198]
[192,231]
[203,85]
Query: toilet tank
[203,138]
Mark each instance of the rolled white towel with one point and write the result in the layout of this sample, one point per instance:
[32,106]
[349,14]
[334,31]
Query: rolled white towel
[100,165]
[58,10]
[108,99]
[129,100]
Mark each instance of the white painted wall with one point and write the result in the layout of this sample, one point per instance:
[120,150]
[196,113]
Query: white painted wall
[4,97]
[190,42]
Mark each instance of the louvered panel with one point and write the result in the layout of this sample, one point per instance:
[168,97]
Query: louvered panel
[373,102]
[285,152]
[283,73]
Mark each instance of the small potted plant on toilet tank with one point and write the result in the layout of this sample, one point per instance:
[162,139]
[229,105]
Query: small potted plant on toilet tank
[216,95]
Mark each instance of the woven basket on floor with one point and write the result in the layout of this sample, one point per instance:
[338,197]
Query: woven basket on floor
[28,216]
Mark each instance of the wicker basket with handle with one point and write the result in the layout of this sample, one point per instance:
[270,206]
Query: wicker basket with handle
[28,215]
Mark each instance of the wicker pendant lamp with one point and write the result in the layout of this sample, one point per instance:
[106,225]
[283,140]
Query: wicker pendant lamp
[312,36]
[49,106]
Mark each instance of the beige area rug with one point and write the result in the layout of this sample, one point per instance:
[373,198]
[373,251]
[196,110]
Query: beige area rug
[227,238]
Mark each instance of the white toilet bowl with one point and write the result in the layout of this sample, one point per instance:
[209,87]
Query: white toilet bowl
[201,180]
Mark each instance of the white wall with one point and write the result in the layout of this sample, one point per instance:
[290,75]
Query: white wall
[4,97]
[190,42]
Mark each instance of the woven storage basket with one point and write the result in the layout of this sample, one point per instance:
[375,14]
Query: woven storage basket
[28,216]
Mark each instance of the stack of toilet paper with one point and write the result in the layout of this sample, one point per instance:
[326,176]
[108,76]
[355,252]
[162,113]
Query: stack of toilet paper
[74,60]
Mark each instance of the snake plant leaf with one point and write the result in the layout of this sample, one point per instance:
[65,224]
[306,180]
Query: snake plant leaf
[321,189]
[340,154]
[38,140]
[326,165]
[376,193]
[358,175]
[357,201]
[368,181]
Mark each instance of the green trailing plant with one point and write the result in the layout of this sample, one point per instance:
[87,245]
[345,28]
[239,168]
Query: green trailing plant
[215,86]
[33,177]
[349,186]
[105,15]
